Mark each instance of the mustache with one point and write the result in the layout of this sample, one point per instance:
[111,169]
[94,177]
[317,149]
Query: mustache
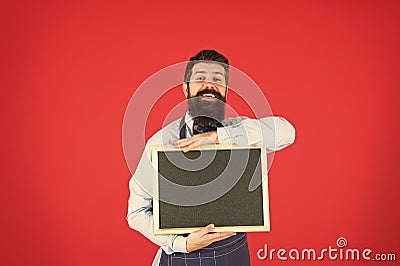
[210,91]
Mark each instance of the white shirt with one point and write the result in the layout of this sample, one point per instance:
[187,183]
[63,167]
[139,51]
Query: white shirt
[273,133]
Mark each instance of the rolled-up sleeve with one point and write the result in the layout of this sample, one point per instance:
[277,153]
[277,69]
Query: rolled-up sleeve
[274,133]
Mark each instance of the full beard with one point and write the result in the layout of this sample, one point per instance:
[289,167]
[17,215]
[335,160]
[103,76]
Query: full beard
[209,113]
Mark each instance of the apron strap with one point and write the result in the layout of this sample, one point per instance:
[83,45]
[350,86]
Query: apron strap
[182,129]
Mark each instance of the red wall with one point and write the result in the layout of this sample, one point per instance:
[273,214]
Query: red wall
[69,68]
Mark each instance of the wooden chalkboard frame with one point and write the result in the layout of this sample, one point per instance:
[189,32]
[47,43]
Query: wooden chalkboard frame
[250,228]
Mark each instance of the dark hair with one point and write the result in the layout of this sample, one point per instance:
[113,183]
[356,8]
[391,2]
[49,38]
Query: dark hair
[207,55]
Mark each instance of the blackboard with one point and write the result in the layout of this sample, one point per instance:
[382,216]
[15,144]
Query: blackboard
[221,184]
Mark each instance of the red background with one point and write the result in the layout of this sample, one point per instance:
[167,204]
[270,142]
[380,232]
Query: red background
[68,70]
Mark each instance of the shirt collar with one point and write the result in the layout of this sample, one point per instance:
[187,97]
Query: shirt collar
[189,120]
[189,124]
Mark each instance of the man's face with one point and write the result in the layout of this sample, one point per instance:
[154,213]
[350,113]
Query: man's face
[207,93]
[207,77]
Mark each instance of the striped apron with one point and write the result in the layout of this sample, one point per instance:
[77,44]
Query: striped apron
[232,251]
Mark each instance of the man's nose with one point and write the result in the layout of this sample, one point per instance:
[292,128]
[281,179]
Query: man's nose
[209,85]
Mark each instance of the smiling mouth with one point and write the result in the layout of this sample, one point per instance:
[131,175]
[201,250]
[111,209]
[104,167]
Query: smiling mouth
[208,95]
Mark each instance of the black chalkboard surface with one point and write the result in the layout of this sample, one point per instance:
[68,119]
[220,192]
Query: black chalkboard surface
[220,184]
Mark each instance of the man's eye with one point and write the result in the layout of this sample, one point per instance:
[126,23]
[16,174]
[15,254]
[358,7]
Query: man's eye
[218,80]
[200,78]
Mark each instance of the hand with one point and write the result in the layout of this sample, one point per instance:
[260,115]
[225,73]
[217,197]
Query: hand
[202,238]
[195,141]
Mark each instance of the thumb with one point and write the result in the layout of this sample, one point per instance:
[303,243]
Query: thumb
[207,229]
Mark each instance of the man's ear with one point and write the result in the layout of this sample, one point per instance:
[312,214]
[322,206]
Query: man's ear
[185,89]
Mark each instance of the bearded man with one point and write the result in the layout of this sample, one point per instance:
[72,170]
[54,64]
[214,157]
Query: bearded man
[206,87]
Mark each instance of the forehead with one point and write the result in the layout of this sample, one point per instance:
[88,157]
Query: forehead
[208,68]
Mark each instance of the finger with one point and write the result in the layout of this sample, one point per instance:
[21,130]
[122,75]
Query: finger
[197,143]
[217,236]
[192,145]
[186,140]
[197,140]
[223,237]
[182,146]
[206,229]
[175,143]
[201,141]
[182,142]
